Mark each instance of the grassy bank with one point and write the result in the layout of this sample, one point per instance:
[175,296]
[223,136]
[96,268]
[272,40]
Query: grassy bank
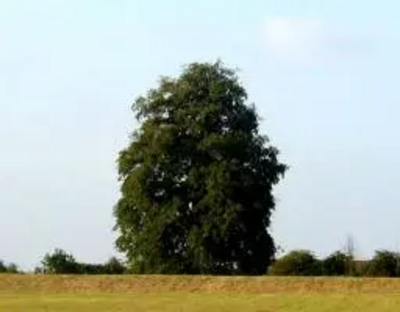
[185,293]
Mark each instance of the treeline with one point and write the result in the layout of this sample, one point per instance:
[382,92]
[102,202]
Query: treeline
[9,268]
[61,262]
[385,263]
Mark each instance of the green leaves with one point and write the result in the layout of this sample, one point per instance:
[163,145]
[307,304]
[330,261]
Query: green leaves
[10,268]
[197,179]
[297,263]
[61,262]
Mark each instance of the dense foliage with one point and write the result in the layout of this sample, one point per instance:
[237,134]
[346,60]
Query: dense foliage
[296,263]
[61,262]
[197,179]
[338,263]
[385,263]
[9,268]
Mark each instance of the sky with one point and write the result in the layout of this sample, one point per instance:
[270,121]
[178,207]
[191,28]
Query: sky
[322,75]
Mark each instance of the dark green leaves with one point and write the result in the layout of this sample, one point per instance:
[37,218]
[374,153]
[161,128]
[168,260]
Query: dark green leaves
[197,179]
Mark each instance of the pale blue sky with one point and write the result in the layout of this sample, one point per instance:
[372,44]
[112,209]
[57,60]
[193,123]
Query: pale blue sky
[323,74]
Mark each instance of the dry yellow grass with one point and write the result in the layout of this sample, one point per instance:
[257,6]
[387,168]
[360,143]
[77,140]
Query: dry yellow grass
[201,303]
[29,293]
[192,284]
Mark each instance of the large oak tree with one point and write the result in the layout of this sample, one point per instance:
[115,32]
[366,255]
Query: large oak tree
[197,179]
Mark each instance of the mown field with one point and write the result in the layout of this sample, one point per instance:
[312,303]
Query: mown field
[172,293]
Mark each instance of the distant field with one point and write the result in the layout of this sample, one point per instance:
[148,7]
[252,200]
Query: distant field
[170,293]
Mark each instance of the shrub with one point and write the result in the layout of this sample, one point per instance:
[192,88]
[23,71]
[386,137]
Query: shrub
[298,262]
[3,267]
[384,264]
[114,266]
[90,269]
[10,268]
[336,264]
[59,262]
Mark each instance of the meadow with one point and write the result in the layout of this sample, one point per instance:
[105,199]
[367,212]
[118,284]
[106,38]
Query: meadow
[23,293]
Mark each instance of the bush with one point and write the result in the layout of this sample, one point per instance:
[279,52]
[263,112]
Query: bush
[297,263]
[90,269]
[59,262]
[10,268]
[114,266]
[336,264]
[3,267]
[384,264]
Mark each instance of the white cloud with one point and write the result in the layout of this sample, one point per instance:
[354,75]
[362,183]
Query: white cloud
[296,37]
[310,40]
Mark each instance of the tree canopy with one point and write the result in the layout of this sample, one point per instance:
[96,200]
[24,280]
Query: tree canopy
[197,179]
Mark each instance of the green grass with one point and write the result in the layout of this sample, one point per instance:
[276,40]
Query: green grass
[30,293]
[201,302]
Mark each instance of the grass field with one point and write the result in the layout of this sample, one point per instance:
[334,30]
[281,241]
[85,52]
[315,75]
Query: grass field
[162,293]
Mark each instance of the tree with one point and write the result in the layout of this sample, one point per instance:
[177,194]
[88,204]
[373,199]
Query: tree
[59,262]
[197,179]
[335,264]
[349,251]
[10,268]
[3,267]
[114,266]
[296,263]
[385,263]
